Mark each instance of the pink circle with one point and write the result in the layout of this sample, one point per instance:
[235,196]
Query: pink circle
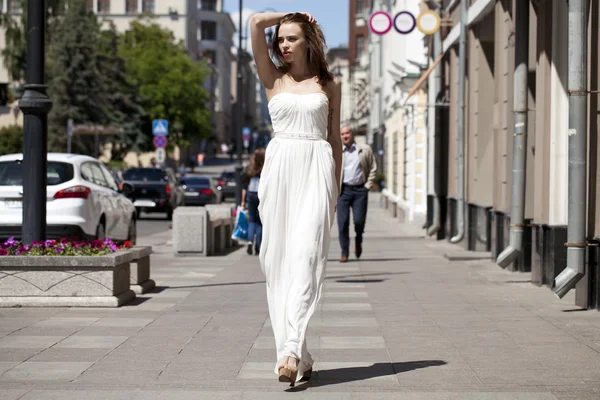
[389,26]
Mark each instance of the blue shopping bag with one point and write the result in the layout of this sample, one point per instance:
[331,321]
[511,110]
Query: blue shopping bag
[240,232]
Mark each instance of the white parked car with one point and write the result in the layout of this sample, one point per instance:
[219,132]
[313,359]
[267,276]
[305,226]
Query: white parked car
[83,200]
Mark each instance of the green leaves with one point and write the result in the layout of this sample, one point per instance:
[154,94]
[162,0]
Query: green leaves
[169,81]
[11,139]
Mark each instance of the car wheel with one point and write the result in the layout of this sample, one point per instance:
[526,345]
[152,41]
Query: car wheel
[101,231]
[132,232]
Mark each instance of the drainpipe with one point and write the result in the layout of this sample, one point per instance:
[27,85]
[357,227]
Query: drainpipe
[437,86]
[462,58]
[576,229]
[519,163]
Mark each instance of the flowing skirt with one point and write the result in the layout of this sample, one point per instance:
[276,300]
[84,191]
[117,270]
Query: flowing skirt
[297,194]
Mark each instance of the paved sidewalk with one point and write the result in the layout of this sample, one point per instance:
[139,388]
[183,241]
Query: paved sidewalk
[404,322]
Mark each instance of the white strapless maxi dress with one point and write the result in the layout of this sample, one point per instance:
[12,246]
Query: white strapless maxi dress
[297,194]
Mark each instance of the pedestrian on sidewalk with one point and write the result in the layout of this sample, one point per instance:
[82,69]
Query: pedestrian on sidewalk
[358,175]
[250,199]
[299,182]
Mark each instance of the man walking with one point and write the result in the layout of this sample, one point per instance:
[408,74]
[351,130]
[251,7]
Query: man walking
[358,174]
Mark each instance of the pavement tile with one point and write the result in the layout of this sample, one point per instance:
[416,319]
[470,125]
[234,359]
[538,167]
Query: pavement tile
[347,307]
[351,342]
[64,322]
[92,342]
[123,322]
[12,394]
[45,371]
[187,395]
[28,342]
[71,354]
[80,394]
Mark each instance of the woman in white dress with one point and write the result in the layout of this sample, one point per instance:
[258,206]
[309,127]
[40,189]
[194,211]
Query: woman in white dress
[300,181]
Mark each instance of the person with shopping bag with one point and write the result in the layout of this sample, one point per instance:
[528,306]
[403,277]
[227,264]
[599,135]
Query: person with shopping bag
[250,200]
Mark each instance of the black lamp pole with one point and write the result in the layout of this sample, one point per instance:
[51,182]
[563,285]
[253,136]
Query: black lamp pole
[239,123]
[35,105]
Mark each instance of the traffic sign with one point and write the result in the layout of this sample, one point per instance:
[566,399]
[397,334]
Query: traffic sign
[160,155]
[160,127]
[160,142]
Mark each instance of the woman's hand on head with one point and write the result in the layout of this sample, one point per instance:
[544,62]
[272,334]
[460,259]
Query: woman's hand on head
[310,17]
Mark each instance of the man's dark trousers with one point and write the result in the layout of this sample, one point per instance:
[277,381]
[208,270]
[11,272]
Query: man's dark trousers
[355,197]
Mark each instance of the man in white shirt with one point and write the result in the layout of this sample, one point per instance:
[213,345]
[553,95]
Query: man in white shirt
[358,174]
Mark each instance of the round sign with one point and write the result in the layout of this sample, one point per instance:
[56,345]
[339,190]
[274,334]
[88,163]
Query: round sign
[405,22]
[380,23]
[160,141]
[428,22]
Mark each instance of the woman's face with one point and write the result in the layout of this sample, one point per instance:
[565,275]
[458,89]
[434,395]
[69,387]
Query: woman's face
[292,42]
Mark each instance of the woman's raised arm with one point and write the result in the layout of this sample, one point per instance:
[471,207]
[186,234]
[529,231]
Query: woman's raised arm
[267,72]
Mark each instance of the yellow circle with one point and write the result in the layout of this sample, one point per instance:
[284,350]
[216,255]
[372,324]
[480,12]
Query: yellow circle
[428,22]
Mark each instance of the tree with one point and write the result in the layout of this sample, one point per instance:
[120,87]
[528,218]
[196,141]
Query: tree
[126,110]
[14,52]
[170,82]
[76,85]
[11,139]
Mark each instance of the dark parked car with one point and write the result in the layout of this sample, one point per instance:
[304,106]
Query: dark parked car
[226,184]
[199,191]
[155,190]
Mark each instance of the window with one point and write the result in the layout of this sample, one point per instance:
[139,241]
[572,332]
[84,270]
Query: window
[110,179]
[14,6]
[148,6]
[91,172]
[208,5]
[131,7]
[90,5]
[360,6]
[144,174]
[103,6]
[209,30]
[57,173]
[360,46]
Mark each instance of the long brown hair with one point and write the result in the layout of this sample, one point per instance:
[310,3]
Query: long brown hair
[257,161]
[315,47]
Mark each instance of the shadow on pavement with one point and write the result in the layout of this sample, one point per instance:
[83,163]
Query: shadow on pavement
[353,374]
[343,277]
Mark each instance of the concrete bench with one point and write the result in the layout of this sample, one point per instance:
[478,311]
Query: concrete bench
[202,230]
[140,281]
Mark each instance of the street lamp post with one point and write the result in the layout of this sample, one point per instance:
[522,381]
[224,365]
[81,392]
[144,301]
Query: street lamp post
[35,105]
[240,112]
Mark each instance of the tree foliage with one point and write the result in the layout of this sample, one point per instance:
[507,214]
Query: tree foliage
[126,110]
[170,82]
[14,52]
[76,86]
[11,139]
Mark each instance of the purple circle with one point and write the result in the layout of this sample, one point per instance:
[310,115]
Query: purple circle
[389,23]
[414,22]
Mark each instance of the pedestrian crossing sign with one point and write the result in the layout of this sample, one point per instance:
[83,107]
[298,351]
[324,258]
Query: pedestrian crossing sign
[160,127]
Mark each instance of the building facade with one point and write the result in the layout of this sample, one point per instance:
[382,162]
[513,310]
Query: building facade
[502,38]
[358,66]
[339,64]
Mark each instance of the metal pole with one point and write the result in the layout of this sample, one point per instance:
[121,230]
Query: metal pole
[35,105]
[240,112]
[519,163]
[462,56]
[436,119]
[576,228]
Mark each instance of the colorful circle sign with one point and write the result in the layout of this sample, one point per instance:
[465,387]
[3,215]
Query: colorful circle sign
[380,23]
[428,22]
[404,22]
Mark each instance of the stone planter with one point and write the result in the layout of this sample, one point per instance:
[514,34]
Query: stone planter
[69,281]
[140,270]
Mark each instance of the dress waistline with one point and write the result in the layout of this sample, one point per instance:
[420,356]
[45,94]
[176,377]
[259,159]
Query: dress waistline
[298,135]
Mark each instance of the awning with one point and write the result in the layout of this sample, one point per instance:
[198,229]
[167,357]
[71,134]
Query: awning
[422,79]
